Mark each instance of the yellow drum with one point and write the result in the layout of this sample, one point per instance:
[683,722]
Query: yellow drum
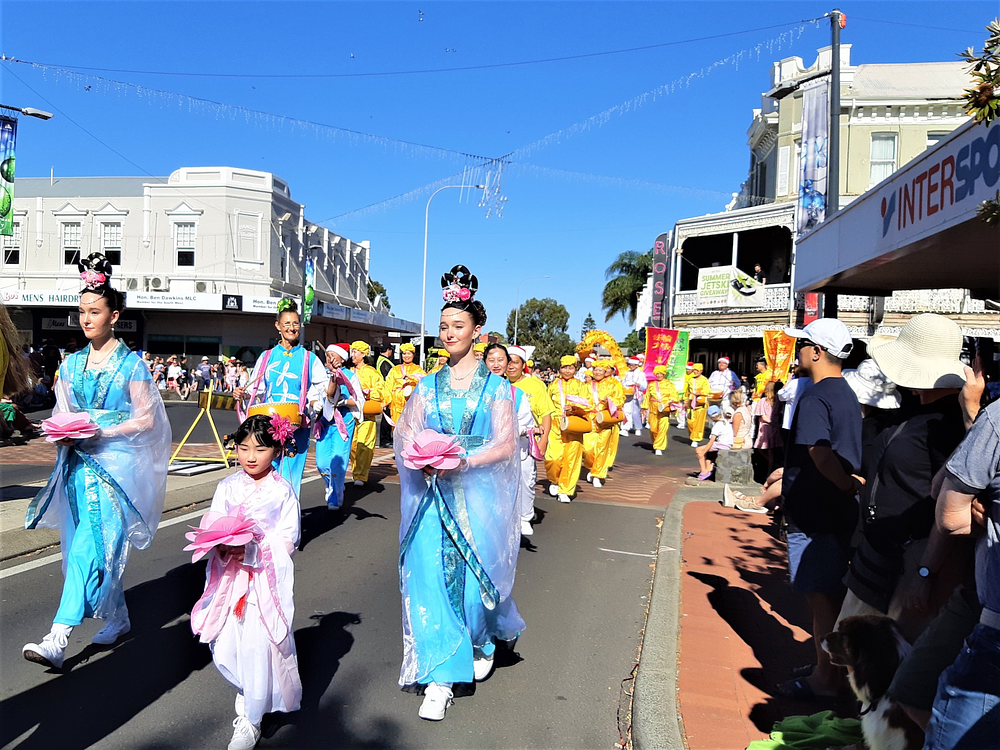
[288,409]
[630,390]
[578,425]
[700,400]
[605,419]
[717,395]
[373,408]
[407,391]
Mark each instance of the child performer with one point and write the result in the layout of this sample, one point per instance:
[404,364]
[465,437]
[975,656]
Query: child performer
[342,411]
[245,614]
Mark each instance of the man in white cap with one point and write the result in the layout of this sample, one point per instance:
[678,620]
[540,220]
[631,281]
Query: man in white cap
[723,380]
[635,385]
[584,372]
[820,485]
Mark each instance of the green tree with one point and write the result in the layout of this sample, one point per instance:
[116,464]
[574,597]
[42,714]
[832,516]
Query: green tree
[375,289]
[634,343]
[982,99]
[627,277]
[542,323]
[589,324]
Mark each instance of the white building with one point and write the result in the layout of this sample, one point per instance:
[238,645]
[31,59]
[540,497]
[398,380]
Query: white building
[203,256]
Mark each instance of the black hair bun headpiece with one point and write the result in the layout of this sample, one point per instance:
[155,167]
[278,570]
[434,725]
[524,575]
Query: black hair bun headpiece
[95,271]
[459,285]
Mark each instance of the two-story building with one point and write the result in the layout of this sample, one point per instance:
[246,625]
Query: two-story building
[890,114]
[203,257]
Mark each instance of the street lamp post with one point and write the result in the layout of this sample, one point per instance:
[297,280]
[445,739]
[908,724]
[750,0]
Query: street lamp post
[423,286]
[517,301]
[41,114]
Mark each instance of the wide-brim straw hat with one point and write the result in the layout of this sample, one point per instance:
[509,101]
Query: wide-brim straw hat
[924,355]
[872,387]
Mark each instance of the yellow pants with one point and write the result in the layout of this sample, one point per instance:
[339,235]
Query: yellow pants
[563,459]
[599,451]
[363,449]
[696,423]
[659,427]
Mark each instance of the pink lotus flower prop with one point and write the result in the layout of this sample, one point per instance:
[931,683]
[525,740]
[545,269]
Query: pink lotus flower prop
[69,425]
[434,450]
[281,428]
[215,529]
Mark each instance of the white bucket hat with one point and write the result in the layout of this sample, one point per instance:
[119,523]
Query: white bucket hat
[924,355]
[872,387]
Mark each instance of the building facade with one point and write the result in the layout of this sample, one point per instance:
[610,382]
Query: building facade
[203,257]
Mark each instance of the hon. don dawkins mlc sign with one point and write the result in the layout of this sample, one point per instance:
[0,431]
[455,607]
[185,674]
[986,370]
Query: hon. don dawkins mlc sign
[728,286]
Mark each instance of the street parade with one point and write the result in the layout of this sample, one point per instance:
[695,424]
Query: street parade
[248,501]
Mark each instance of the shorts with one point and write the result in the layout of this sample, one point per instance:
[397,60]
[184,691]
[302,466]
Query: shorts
[817,562]
[916,680]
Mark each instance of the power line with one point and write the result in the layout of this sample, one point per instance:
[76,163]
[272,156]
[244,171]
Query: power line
[423,71]
[852,17]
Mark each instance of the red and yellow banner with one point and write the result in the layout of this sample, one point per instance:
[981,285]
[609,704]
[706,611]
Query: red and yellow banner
[779,351]
[669,347]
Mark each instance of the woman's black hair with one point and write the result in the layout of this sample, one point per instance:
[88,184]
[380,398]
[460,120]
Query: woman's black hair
[287,304]
[491,347]
[459,282]
[98,263]
[259,427]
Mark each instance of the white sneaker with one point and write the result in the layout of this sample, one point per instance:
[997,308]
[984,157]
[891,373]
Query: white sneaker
[358,483]
[590,477]
[694,443]
[437,698]
[483,667]
[638,433]
[623,433]
[526,529]
[565,498]
[728,497]
[597,483]
[553,489]
[245,734]
[51,652]
[658,452]
[241,705]
[112,631]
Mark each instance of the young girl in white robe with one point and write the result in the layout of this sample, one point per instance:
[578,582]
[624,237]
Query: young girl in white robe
[245,614]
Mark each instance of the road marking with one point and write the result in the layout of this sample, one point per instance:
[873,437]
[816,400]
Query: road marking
[623,552]
[25,567]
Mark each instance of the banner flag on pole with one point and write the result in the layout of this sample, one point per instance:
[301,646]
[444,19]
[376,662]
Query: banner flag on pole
[667,346]
[8,134]
[779,351]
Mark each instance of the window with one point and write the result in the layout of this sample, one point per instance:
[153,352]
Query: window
[12,247]
[883,157]
[934,137]
[184,236]
[72,241]
[111,242]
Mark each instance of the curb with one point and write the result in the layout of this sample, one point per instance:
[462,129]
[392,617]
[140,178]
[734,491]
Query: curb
[656,718]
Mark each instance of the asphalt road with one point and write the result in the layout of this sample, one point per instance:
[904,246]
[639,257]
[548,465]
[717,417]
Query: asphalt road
[581,587]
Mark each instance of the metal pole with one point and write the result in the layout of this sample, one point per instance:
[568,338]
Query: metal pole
[833,157]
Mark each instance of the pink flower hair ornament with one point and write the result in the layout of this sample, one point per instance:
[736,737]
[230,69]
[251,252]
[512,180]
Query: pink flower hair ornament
[93,279]
[281,428]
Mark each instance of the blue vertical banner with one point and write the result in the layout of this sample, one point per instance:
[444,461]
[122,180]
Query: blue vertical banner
[8,134]
[815,134]
[308,288]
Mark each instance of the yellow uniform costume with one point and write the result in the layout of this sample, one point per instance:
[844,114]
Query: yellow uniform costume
[659,396]
[538,398]
[366,432]
[600,447]
[696,399]
[440,364]
[396,381]
[564,455]
[760,381]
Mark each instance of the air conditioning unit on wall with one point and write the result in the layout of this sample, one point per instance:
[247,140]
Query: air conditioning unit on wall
[132,284]
[157,284]
[204,287]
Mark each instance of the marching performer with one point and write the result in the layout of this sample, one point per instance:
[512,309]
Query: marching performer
[106,492]
[583,373]
[564,454]
[343,411]
[634,384]
[723,381]
[441,361]
[661,398]
[289,380]
[458,534]
[480,350]
[365,433]
[542,411]
[696,399]
[600,446]
[682,409]
[401,381]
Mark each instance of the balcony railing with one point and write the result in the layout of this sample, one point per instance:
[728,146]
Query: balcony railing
[776,297]
[943,301]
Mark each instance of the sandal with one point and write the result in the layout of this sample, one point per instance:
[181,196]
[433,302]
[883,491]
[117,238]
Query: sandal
[804,671]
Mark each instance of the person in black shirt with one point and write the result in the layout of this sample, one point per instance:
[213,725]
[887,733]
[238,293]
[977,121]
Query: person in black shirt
[384,364]
[819,484]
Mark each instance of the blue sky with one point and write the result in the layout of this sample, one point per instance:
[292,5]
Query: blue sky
[574,201]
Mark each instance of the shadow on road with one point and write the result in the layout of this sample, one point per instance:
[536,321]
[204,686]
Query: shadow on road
[96,696]
[319,519]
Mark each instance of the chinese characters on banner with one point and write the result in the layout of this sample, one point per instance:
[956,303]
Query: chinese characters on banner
[666,346]
[779,351]
[8,134]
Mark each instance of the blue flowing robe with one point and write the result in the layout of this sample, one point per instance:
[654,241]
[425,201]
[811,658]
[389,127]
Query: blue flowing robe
[460,534]
[106,493]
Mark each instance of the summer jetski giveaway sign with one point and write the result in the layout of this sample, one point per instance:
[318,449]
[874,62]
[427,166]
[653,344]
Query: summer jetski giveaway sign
[667,346]
[728,286]
[8,134]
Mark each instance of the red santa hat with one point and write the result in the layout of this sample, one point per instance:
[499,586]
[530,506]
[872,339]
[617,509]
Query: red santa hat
[341,350]
[723,359]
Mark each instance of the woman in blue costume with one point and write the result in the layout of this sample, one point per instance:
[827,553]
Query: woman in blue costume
[342,409]
[460,532]
[289,374]
[106,493]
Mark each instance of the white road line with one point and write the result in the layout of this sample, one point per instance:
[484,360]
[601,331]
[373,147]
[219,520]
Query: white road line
[25,567]
[623,552]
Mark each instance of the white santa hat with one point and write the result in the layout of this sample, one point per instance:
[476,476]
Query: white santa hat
[339,351]
[517,351]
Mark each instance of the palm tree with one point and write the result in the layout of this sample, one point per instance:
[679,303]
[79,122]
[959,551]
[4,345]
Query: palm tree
[627,277]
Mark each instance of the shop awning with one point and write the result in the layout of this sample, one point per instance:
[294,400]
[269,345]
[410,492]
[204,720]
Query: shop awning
[917,229]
